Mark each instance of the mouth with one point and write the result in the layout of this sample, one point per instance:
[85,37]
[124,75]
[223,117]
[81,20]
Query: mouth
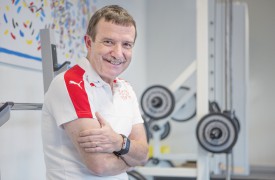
[115,61]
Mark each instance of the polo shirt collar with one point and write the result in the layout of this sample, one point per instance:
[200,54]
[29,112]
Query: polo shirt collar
[91,75]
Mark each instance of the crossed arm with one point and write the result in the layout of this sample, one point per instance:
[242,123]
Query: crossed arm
[95,140]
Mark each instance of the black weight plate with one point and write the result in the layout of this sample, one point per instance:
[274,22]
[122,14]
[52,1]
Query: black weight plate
[166,132]
[216,133]
[164,128]
[237,122]
[231,114]
[147,130]
[155,162]
[157,102]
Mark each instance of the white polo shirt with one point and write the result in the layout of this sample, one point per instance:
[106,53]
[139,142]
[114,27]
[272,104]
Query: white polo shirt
[79,93]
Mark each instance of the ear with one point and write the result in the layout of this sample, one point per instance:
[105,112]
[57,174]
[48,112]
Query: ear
[87,40]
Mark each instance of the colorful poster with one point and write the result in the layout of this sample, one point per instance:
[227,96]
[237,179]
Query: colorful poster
[21,21]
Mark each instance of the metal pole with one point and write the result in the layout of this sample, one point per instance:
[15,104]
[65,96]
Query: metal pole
[228,73]
[202,80]
[49,57]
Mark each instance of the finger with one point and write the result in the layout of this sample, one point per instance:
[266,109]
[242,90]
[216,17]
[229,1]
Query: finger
[94,150]
[93,138]
[89,132]
[83,139]
[88,145]
[100,119]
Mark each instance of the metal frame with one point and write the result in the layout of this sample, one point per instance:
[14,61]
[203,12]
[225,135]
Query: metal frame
[202,66]
[50,70]
[49,58]
[202,80]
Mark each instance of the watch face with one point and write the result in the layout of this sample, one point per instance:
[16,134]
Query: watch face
[124,143]
[125,147]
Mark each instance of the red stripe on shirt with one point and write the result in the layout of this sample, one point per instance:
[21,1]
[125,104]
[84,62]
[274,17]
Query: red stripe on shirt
[75,86]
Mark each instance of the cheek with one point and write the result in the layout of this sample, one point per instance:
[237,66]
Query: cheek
[128,56]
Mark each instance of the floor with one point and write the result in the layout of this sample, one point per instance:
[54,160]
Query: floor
[255,174]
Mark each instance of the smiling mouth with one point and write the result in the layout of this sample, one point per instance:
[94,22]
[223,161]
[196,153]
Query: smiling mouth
[115,61]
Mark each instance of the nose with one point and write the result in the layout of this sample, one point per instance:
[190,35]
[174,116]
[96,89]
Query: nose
[117,51]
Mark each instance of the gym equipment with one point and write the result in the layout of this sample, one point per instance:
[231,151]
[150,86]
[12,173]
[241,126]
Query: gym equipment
[213,68]
[50,68]
[4,113]
[217,133]
[146,127]
[214,107]
[234,118]
[157,102]
[214,131]
[156,162]
[134,175]
[188,110]
[6,107]
[153,128]
[163,129]
[50,64]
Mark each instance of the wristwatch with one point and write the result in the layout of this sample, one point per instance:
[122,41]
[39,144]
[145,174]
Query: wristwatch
[125,146]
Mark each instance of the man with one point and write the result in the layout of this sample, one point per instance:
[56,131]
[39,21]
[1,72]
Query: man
[91,124]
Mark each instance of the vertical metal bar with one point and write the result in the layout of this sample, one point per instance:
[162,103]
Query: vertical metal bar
[47,42]
[202,80]
[228,74]
[228,166]
[228,55]
[230,24]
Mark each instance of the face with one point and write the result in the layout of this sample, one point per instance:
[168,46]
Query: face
[111,52]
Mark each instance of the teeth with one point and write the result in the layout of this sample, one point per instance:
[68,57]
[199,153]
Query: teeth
[115,62]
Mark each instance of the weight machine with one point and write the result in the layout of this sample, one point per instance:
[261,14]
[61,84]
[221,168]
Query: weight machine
[218,128]
[50,68]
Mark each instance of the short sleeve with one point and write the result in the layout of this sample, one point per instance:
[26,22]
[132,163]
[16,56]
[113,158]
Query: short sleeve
[58,103]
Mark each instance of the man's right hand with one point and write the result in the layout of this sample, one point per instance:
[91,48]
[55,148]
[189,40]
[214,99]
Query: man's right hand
[103,140]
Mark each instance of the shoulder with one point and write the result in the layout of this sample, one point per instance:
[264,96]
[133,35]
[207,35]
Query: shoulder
[123,83]
[61,81]
[126,87]
[74,73]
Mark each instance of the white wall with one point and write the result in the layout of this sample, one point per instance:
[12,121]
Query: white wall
[171,39]
[21,155]
[262,86]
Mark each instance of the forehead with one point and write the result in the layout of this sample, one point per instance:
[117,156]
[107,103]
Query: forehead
[114,31]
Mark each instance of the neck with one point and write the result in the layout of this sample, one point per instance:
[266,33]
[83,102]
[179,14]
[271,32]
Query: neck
[108,81]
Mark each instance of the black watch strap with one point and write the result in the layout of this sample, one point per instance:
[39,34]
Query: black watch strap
[125,146]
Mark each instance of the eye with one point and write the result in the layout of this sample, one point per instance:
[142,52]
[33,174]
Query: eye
[108,42]
[128,45]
